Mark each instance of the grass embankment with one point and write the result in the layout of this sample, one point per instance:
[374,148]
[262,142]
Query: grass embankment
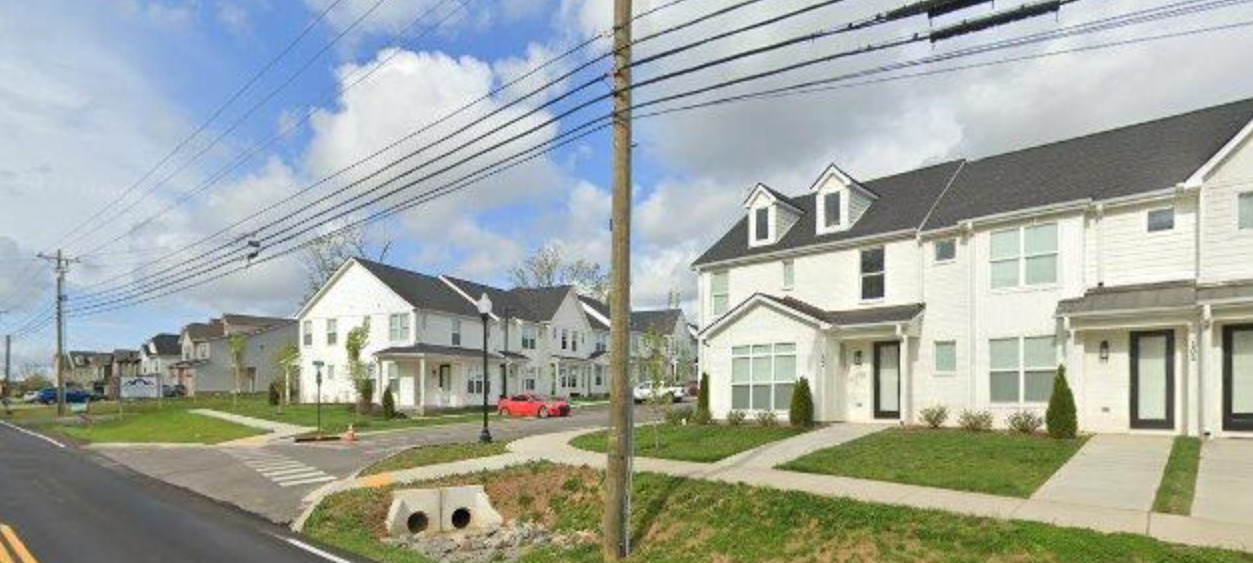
[165,426]
[1174,495]
[998,463]
[681,520]
[693,442]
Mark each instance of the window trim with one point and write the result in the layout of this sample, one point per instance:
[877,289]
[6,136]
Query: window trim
[1244,198]
[1021,257]
[1148,220]
[332,332]
[454,332]
[789,274]
[826,210]
[1021,370]
[935,254]
[399,327]
[773,354]
[935,358]
[761,222]
[882,273]
[714,294]
[306,339]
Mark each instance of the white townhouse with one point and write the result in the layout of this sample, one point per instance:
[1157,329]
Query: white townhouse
[426,339]
[1126,255]
[207,366]
[671,325]
[158,355]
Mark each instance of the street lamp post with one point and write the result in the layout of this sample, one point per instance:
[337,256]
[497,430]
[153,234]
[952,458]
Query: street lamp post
[318,378]
[485,310]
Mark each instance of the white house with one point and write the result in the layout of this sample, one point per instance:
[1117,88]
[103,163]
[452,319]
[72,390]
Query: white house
[206,364]
[677,338]
[1126,255]
[158,355]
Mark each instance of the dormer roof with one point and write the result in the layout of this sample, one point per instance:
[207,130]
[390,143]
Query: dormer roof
[775,196]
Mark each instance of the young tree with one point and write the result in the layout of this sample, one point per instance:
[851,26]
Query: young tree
[389,404]
[287,360]
[358,339]
[654,362]
[546,267]
[1063,421]
[239,349]
[801,413]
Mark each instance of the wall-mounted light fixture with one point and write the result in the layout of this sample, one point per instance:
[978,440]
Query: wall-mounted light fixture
[1104,350]
[857,357]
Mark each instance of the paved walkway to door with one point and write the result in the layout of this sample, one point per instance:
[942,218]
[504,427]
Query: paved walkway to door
[1224,483]
[1111,471]
[778,453]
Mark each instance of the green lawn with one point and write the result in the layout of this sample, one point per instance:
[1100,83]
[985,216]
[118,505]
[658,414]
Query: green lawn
[999,463]
[703,443]
[683,520]
[169,426]
[1174,495]
[433,455]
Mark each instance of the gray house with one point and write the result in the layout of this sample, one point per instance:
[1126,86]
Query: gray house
[206,364]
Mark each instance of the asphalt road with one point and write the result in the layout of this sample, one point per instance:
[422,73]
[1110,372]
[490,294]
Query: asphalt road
[65,506]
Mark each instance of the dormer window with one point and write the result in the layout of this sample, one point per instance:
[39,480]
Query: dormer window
[761,224]
[831,209]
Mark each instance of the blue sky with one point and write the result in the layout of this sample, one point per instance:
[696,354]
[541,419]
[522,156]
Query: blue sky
[96,93]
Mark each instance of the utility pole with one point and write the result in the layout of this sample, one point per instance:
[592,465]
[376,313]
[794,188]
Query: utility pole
[8,347]
[62,265]
[618,468]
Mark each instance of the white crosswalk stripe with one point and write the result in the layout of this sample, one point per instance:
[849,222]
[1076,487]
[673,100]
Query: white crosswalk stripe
[282,470]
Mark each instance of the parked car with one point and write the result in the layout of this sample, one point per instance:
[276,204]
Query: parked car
[646,391]
[30,397]
[48,396]
[692,387]
[529,404]
[174,391]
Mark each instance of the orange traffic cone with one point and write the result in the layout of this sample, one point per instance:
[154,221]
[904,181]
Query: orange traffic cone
[351,436]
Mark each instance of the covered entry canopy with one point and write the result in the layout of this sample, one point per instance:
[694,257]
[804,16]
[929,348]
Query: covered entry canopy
[865,318]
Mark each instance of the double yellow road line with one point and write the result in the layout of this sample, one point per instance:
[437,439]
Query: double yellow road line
[12,550]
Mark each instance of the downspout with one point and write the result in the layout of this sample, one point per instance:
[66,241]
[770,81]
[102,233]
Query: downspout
[1100,244]
[968,234]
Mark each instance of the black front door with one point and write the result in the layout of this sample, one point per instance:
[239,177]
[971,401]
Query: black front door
[1238,378]
[1153,379]
[887,380]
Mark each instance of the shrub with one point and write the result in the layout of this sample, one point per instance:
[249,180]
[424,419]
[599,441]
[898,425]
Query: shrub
[702,417]
[679,416]
[736,418]
[935,416]
[1063,422]
[1026,422]
[801,412]
[975,421]
[275,395]
[767,418]
[702,396]
[365,395]
[389,404]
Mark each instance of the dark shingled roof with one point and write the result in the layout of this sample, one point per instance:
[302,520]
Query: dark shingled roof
[904,200]
[166,344]
[252,320]
[436,350]
[599,307]
[1163,295]
[543,302]
[205,331]
[1147,156]
[420,290]
[662,321]
[529,304]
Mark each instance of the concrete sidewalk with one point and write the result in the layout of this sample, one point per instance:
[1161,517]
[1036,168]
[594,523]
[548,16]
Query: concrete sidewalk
[276,430]
[778,453]
[1111,471]
[750,470]
[1224,482]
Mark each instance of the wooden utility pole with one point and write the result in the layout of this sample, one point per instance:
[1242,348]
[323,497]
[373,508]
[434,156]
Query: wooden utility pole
[62,265]
[618,469]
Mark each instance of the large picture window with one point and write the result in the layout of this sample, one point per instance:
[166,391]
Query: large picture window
[872,273]
[1022,369]
[1024,256]
[762,376]
[719,293]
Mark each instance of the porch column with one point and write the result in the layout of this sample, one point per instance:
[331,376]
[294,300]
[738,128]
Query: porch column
[907,380]
[1205,368]
[421,383]
[1192,381]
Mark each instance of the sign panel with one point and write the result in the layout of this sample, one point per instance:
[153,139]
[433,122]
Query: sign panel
[140,387]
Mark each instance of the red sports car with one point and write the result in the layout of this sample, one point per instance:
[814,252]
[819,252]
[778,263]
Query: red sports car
[529,404]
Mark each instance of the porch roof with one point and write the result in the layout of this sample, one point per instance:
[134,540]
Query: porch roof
[889,314]
[1162,296]
[436,350]
[1241,291]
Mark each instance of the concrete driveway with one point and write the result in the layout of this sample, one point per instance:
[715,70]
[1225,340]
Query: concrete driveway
[1111,471]
[1224,482]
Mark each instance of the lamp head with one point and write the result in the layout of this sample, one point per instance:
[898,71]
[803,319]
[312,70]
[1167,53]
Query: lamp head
[484,305]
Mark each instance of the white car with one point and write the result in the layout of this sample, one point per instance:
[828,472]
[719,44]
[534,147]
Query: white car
[30,396]
[646,391]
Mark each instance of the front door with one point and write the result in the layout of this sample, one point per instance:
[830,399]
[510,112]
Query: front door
[1238,378]
[887,380]
[1153,379]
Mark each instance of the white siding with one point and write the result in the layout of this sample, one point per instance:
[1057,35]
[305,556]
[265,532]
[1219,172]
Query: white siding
[947,318]
[1226,251]
[1121,251]
[763,325]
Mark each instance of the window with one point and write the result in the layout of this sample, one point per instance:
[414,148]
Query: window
[574,341]
[456,332]
[306,328]
[528,338]
[719,293]
[762,376]
[393,378]
[565,339]
[528,382]
[1024,256]
[602,343]
[398,327]
[872,273]
[474,384]
[945,357]
[1245,203]
[789,274]
[1161,219]
[445,374]
[831,209]
[330,371]
[332,332]
[945,250]
[1022,369]
[600,375]
[761,224]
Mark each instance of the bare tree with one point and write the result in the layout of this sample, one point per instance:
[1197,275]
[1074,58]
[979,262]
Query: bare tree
[327,253]
[546,267]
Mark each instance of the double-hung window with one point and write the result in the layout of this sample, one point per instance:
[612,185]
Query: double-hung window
[761,224]
[1024,256]
[719,293]
[1022,369]
[565,339]
[1160,219]
[945,357]
[393,377]
[456,332]
[574,341]
[789,274]
[305,327]
[831,210]
[872,274]
[332,332]
[398,327]
[528,338]
[762,376]
[945,250]
[1245,204]
[475,383]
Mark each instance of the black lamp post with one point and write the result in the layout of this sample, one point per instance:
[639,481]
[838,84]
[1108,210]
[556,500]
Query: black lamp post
[318,378]
[485,311]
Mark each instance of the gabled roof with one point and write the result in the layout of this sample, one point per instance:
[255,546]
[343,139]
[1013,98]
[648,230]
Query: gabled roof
[1147,156]
[420,290]
[904,200]
[662,321]
[778,196]
[205,331]
[253,320]
[598,314]
[164,344]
